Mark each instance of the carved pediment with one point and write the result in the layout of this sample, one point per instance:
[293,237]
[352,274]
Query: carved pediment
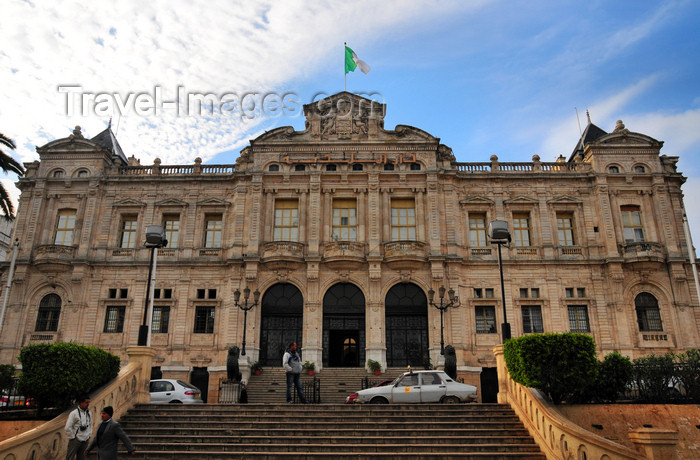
[474,200]
[130,202]
[213,202]
[520,199]
[172,202]
[564,199]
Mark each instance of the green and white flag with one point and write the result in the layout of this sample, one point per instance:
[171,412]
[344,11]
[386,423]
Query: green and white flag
[352,62]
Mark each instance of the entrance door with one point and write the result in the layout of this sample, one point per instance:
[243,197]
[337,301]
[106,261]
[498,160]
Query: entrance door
[344,326]
[281,322]
[406,310]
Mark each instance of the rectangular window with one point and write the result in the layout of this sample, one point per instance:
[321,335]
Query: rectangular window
[477,230]
[114,319]
[204,320]
[47,319]
[532,319]
[403,220]
[344,220]
[581,292]
[565,226]
[213,226]
[649,319]
[485,320]
[171,224]
[521,229]
[64,228]
[578,318]
[523,293]
[286,220]
[535,293]
[127,237]
[488,292]
[161,317]
[569,292]
[632,224]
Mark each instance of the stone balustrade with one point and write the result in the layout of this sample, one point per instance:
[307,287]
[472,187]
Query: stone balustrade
[49,441]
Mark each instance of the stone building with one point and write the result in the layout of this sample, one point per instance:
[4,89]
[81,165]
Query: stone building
[344,228]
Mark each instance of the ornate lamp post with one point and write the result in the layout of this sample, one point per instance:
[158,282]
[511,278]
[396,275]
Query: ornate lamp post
[245,306]
[155,238]
[454,302]
[499,234]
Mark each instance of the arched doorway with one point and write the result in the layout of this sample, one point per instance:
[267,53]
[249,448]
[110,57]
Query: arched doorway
[406,310]
[281,314]
[343,326]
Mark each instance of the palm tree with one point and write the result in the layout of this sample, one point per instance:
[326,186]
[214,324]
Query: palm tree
[8,164]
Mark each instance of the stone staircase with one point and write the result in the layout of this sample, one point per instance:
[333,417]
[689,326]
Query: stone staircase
[335,383]
[262,431]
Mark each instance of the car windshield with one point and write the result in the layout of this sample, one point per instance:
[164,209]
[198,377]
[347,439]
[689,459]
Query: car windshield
[187,385]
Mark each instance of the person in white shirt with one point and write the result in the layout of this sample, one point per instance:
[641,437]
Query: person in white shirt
[78,429]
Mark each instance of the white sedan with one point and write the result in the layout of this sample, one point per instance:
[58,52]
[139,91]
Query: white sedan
[420,387]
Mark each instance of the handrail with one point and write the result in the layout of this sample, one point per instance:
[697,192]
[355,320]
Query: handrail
[556,436]
[129,388]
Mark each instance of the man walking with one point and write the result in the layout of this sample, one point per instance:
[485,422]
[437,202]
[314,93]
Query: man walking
[78,429]
[291,361]
[108,435]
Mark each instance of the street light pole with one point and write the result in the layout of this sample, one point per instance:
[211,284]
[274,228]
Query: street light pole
[499,235]
[245,307]
[443,306]
[155,238]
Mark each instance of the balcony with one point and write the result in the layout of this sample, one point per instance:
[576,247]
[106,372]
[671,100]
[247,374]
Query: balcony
[571,252]
[405,254]
[643,254]
[53,258]
[349,254]
[283,253]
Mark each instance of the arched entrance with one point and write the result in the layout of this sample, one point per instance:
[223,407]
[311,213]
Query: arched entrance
[281,314]
[344,326]
[406,310]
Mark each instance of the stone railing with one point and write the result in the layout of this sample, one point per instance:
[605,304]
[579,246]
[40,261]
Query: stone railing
[49,441]
[556,435]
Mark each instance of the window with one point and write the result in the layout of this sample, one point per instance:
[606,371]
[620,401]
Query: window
[213,225]
[581,292]
[127,238]
[388,167]
[286,220]
[166,294]
[485,319]
[477,229]
[632,224]
[299,168]
[639,169]
[415,167]
[535,293]
[58,174]
[578,318]
[488,292]
[114,319]
[521,229]
[204,320]
[161,317]
[403,220]
[64,227]
[356,167]
[532,319]
[344,220]
[49,312]
[614,170]
[569,292]
[523,293]
[82,173]
[648,315]
[171,224]
[331,167]
[478,293]
[206,293]
[274,168]
[565,226]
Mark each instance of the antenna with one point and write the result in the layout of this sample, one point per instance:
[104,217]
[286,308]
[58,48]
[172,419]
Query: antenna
[579,122]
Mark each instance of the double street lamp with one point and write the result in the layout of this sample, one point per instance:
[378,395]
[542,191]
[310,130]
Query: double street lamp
[155,238]
[499,234]
[443,306]
[245,306]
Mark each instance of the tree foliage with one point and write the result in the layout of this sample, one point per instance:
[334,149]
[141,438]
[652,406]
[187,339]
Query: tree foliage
[8,164]
[7,376]
[56,374]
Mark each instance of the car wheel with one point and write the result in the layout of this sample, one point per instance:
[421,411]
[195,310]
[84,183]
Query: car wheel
[450,400]
[175,402]
[379,400]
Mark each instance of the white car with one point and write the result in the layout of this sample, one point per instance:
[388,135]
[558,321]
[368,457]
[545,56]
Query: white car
[420,387]
[175,392]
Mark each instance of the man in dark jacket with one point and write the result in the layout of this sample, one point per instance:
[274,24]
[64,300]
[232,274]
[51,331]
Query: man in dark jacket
[108,435]
[291,361]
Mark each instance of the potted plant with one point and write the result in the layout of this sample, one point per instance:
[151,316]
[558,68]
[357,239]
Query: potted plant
[256,367]
[309,367]
[374,366]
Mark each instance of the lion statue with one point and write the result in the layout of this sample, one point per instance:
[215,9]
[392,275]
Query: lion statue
[451,362]
[233,373]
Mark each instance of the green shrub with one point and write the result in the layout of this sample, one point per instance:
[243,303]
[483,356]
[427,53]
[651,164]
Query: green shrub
[7,376]
[614,375]
[653,376]
[689,373]
[559,365]
[56,374]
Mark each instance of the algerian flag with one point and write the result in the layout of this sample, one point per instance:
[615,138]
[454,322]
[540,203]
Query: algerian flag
[352,62]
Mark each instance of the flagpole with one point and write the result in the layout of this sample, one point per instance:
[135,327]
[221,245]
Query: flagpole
[345,74]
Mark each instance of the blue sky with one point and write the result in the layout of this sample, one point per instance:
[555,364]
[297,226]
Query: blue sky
[487,77]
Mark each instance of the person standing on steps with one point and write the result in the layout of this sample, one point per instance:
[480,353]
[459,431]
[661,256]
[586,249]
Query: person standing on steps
[291,361]
[108,435]
[78,429]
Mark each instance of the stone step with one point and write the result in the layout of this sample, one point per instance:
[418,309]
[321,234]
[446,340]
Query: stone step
[346,432]
[303,455]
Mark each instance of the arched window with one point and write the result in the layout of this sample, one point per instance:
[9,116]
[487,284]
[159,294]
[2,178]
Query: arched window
[274,168]
[82,173]
[49,311]
[639,169]
[614,170]
[648,315]
[58,174]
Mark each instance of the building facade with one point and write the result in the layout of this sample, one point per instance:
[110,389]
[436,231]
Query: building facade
[344,229]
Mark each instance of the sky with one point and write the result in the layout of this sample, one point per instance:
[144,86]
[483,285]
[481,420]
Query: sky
[485,76]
